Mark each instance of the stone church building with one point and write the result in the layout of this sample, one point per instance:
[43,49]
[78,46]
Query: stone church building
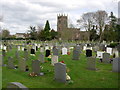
[67,33]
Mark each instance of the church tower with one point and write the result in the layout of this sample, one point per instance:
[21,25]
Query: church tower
[62,22]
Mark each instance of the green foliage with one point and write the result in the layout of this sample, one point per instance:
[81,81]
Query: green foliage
[93,34]
[47,26]
[112,45]
[33,32]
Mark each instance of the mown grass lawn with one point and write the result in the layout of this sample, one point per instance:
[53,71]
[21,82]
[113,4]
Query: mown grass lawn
[82,78]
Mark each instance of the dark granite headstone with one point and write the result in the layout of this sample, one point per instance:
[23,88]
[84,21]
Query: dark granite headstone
[32,51]
[88,53]
[47,53]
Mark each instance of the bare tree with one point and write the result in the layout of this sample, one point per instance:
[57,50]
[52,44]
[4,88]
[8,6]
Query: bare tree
[87,21]
[101,18]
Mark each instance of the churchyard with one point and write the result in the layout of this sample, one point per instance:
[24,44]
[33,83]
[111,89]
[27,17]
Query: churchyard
[59,65]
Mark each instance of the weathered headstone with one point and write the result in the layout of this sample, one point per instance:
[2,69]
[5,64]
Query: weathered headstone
[60,72]
[26,55]
[3,53]
[116,65]
[36,66]
[16,86]
[54,59]
[42,60]
[17,55]
[76,55]
[22,64]
[91,63]
[55,51]
[106,57]
[11,63]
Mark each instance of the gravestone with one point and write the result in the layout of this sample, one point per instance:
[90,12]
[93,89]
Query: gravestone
[64,51]
[60,72]
[91,63]
[22,64]
[36,48]
[76,55]
[3,53]
[22,48]
[54,59]
[88,53]
[109,50]
[26,55]
[36,66]
[16,86]
[78,48]
[55,51]
[42,60]
[106,57]
[18,48]
[47,53]
[42,49]
[32,51]
[17,55]
[99,54]
[11,63]
[116,65]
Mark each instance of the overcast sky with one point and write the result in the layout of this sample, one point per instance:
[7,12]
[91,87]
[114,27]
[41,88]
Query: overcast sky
[18,15]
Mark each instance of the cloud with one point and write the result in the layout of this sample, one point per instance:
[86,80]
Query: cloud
[18,15]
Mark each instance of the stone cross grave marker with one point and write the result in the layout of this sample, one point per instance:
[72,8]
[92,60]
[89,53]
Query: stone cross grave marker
[60,72]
